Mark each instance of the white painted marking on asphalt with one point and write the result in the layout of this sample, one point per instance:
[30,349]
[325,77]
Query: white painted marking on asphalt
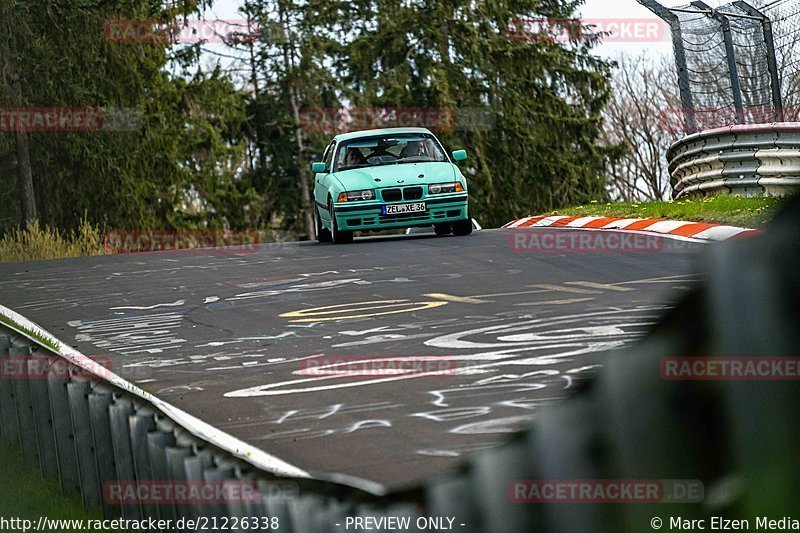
[147,307]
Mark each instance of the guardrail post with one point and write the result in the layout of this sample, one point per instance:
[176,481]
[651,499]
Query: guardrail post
[141,423]
[67,455]
[194,467]
[8,409]
[20,355]
[157,443]
[119,413]
[175,456]
[455,496]
[99,402]
[78,390]
[217,474]
[38,368]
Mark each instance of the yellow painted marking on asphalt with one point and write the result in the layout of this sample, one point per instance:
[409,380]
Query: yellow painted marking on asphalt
[366,306]
[556,302]
[521,293]
[456,299]
[666,279]
[561,288]
[319,314]
[602,286]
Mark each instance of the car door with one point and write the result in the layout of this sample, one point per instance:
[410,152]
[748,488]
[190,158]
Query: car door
[322,182]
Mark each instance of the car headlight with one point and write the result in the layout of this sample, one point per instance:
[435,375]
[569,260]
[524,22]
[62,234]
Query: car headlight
[443,188]
[356,196]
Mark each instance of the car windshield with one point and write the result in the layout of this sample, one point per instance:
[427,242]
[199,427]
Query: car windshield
[388,150]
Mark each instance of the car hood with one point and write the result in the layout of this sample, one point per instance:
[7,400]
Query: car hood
[393,175]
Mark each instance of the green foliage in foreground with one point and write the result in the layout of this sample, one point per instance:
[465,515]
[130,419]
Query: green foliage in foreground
[731,210]
[26,495]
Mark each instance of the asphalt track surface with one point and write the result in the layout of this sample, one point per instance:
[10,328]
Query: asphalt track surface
[237,337]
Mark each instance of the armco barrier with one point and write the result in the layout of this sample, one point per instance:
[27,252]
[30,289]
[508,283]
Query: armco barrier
[744,159]
[738,438]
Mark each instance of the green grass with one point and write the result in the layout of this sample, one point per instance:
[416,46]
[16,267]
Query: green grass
[749,212]
[26,495]
[41,339]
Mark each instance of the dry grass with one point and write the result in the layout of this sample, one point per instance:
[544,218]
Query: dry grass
[36,242]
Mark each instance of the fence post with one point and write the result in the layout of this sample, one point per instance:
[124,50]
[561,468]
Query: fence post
[690,120]
[730,54]
[772,63]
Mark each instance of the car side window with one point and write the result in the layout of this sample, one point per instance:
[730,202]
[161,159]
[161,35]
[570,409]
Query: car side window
[329,156]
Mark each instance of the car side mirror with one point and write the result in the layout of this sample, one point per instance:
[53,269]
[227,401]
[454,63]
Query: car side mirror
[459,155]
[319,168]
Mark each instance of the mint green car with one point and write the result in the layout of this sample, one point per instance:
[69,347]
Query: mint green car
[389,179]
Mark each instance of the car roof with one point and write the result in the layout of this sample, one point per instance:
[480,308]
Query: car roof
[370,133]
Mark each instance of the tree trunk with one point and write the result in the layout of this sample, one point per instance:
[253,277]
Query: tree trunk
[25,178]
[302,174]
[8,70]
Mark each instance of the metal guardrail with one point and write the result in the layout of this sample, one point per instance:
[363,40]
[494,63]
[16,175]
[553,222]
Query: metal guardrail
[739,438]
[746,160]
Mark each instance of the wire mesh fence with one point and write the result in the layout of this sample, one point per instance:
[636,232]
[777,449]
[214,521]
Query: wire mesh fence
[737,63]
[785,16]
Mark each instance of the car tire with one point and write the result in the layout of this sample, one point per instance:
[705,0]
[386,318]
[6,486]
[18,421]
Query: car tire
[323,234]
[463,227]
[338,236]
[442,229]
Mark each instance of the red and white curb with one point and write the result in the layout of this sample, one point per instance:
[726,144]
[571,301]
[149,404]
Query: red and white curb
[671,228]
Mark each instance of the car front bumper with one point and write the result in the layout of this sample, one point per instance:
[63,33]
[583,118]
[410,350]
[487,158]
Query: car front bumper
[367,216]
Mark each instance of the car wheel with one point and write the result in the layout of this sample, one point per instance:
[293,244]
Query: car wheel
[338,236]
[442,229]
[323,234]
[463,227]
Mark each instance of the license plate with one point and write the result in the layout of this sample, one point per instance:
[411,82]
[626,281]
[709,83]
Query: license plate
[399,209]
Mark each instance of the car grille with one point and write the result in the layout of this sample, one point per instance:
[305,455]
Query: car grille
[412,193]
[392,195]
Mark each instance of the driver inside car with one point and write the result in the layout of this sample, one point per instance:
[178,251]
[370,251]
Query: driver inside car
[413,149]
[355,158]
